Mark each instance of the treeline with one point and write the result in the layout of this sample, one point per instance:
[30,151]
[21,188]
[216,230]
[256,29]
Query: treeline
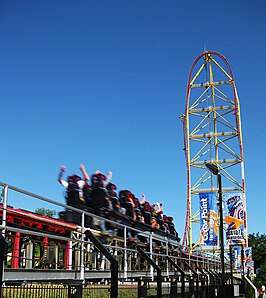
[258,244]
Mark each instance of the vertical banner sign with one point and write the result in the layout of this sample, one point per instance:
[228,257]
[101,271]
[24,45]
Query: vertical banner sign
[237,258]
[208,219]
[248,263]
[235,219]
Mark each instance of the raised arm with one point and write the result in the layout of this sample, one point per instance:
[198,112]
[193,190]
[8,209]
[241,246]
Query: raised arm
[160,208]
[109,177]
[143,199]
[84,173]
[60,175]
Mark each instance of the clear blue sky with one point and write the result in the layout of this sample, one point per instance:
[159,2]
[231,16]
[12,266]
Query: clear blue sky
[103,83]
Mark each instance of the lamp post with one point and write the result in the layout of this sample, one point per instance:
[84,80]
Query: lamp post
[215,171]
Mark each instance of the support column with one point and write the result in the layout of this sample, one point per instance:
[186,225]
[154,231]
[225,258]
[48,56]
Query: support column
[142,289]
[68,255]
[29,255]
[16,251]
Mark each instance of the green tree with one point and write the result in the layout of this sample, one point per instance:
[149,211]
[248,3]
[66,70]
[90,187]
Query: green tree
[258,244]
[45,212]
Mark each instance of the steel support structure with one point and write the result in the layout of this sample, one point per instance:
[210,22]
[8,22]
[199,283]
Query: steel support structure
[182,272]
[156,267]
[111,258]
[195,274]
[212,134]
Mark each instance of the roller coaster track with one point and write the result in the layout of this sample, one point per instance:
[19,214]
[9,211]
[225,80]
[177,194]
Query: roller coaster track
[212,135]
[40,248]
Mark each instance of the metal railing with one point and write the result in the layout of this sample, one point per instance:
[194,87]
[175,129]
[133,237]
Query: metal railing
[98,258]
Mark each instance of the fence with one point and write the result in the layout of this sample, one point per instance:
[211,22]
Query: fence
[171,288]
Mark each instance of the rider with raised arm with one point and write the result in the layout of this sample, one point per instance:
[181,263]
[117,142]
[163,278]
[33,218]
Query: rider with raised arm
[74,186]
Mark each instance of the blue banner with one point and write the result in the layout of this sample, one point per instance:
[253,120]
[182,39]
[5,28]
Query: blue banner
[235,219]
[248,263]
[208,219]
[237,258]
